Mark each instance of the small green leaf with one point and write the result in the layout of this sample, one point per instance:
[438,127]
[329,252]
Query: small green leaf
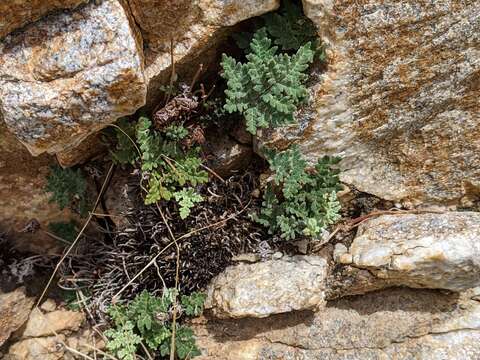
[187,198]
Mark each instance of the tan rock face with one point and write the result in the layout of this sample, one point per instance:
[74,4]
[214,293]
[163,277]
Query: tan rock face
[15,307]
[195,27]
[68,75]
[45,348]
[399,101]
[400,324]
[426,250]
[17,13]
[40,324]
[85,151]
[270,287]
[23,199]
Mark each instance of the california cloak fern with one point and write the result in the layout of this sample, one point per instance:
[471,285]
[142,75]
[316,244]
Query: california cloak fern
[268,88]
[308,202]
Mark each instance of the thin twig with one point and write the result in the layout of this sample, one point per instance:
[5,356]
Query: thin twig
[76,352]
[195,77]
[213,173]
[55,237]
[79,235]
[172,74]
[128,136]
[146,350]
[177,272]
[100,351]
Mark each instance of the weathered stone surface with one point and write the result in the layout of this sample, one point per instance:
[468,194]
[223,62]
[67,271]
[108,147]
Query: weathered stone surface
[48,305]
[68,75]
[40,324]
[17,13]
[400,324]
[121,197]
[425,250]
[85,151]
[23,199]
[195,27]
[39,341]
[270,287]
[15,307]
[45,348]
[226,156]
[399,100]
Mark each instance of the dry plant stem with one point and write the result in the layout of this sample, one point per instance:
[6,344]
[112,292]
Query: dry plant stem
[79,235]
[150,263]
[100,351]
[146,350]
[195,77]
[55,236]
[172,75]
[213,173]
[177,271]
[78,353]
[128,136]
[107,215]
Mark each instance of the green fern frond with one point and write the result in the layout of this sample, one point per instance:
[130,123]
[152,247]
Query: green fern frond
[124,152]
[289,27]
[268,88]
[147,319]
[186,199]
[167,167]
[308,203]
[68,188]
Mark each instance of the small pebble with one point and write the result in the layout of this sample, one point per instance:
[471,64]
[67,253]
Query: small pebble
[278,255]
[48,305]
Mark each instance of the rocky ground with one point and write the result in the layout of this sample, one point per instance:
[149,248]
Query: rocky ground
[398,277]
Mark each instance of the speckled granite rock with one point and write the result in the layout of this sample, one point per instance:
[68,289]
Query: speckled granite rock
[196,28]
[17,13]
[270,287]
[68,75]
[425,250]
[399,100]
[14,309]
[400,324]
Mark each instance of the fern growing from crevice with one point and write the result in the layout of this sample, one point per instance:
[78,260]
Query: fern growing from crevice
[148,319]
[68,188]
[307,202]
[290,28]
[169,170]
[268,88]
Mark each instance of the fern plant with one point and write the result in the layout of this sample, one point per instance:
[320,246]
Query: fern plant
[268,88]
[169,170]
[124,152]
[308,202]
[290,28]
[147,319]
[68,188]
